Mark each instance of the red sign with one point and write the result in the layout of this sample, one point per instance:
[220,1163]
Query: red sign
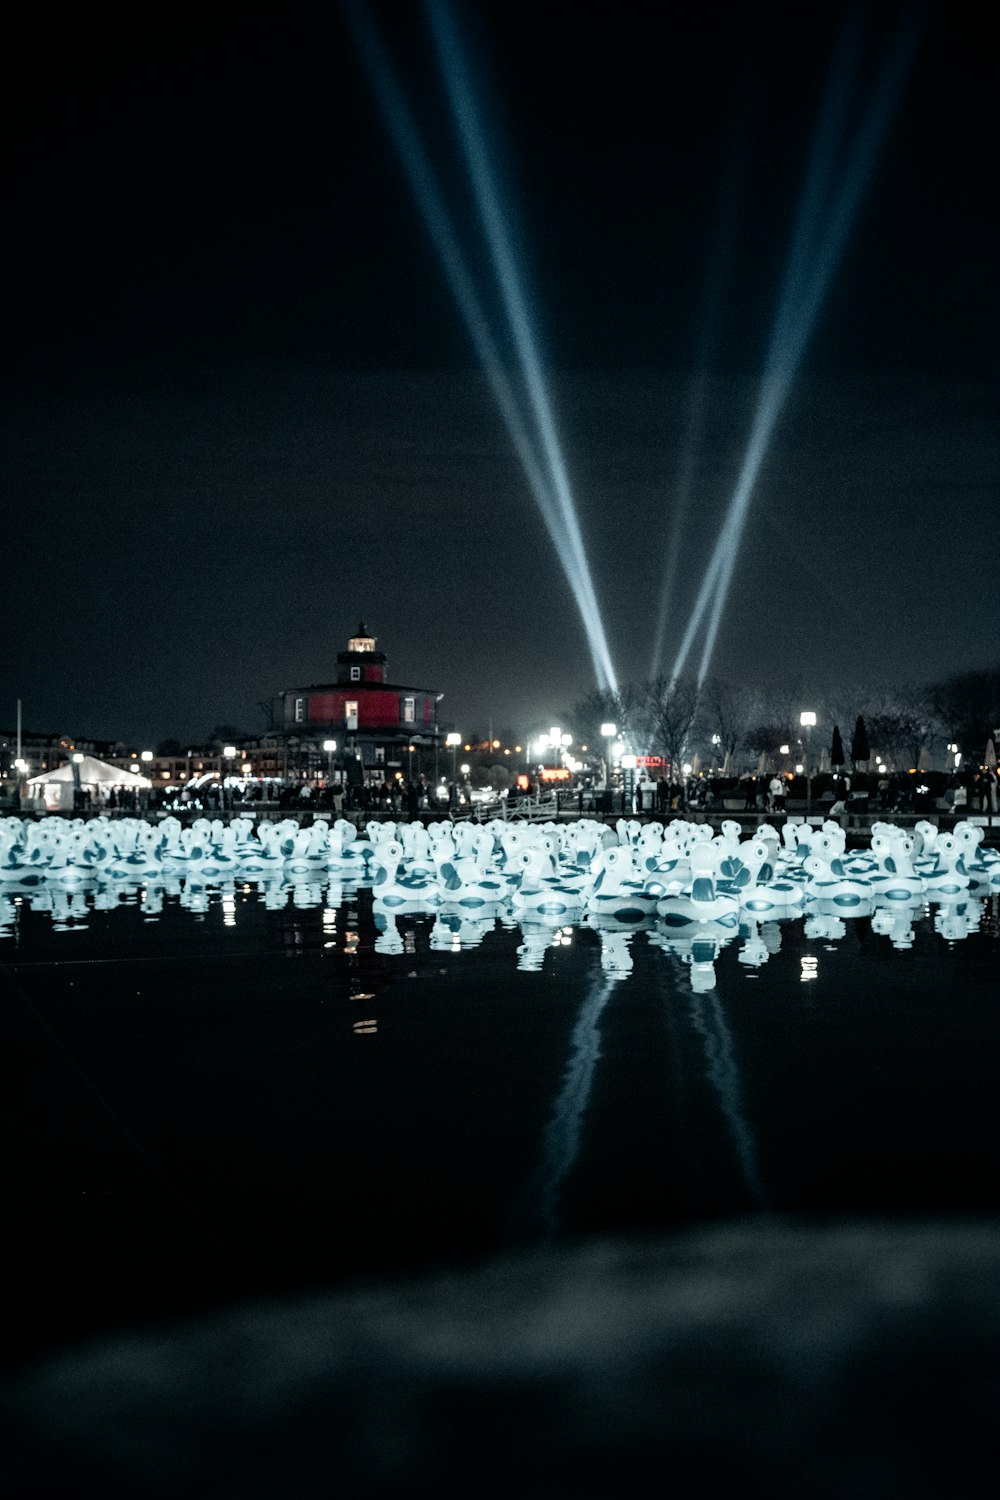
[650,760]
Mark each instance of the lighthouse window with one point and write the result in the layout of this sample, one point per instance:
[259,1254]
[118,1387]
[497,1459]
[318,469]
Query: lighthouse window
[355,674]
[300,710]
[407,710]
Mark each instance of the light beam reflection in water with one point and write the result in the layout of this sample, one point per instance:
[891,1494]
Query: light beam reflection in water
[469,1079]
[536,1214]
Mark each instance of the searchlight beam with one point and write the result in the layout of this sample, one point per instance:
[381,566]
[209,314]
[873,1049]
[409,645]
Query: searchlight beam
[813,258]
[432,207]
[477,159]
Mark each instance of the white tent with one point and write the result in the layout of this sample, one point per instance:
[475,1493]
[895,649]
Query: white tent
[56,787]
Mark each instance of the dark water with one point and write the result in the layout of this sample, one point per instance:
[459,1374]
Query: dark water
[262,1096]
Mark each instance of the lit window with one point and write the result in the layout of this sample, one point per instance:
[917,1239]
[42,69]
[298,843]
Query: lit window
[408,706]
[351,713]
[355,674]
[300,710]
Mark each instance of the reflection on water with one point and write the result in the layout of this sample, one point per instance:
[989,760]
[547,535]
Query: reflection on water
[697,945]
[469,1075]
[537,1212]
[337,913]
[722,1071]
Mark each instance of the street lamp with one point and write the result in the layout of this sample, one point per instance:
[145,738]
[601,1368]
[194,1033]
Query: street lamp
[607,734]
[808,721]
[229,752]
[329,746]
[454,740]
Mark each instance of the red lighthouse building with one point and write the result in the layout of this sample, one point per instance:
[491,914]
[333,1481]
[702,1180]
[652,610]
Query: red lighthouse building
[374,722]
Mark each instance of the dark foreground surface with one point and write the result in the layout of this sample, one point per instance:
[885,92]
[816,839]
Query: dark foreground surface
[297,1202]
[860,1360]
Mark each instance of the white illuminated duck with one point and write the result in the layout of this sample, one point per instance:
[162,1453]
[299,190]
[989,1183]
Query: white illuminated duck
[539,891]
[261,856]
[940,873]
[396,891]
[619,889]
[981,865]
[702,901]
[73,863]
[305,853]
[23,858]
[466,886]
[828,882]
[895,882]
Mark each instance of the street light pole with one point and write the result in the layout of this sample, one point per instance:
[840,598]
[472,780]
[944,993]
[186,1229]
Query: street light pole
[454,739]
[228,753]
[808,722]
[329,746]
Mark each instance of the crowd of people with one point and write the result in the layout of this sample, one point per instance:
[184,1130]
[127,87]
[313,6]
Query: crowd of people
[977,792]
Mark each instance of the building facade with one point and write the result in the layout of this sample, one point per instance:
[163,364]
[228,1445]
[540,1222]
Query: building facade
[378,725]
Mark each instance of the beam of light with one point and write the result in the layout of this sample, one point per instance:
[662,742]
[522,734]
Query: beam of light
[537,1212]
[466,118]
[814,256]
[694,425]
[430,201]
[722,1071]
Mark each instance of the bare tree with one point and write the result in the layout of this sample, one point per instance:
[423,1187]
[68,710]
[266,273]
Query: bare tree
[728,709]
[766,739]
[902,724]
[968,706]
[624,708]
[672,708]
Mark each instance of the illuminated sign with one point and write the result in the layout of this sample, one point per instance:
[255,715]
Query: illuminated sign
[650,760]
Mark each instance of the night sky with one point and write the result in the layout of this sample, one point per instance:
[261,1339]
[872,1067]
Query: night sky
[242,411]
